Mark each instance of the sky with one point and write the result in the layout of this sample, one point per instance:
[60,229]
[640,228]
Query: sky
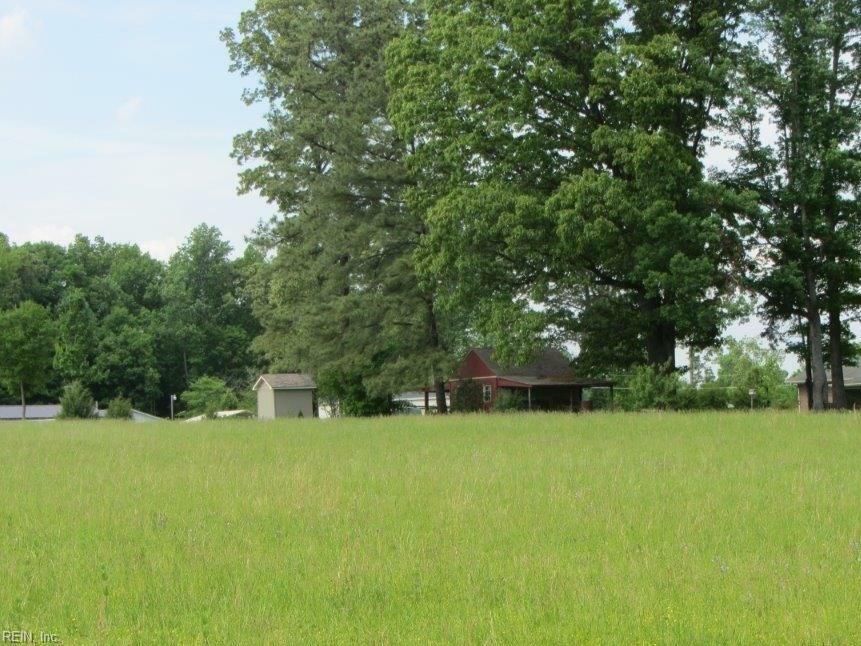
[117,119]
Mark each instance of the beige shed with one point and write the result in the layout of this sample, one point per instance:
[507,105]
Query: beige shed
[286,395]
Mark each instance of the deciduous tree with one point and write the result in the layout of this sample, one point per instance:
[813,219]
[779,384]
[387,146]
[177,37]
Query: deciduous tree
[26,350]
[561,151]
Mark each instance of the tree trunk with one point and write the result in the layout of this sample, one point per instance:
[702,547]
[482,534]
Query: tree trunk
[817,361]
[23,403]
[441,405]
[661,347]
[808,371]
[838,385]
[434,342]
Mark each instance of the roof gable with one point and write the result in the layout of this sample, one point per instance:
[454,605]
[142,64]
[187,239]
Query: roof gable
[548,363]
[287,381]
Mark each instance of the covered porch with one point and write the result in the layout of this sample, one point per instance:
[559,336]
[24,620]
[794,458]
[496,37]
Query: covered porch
[550,395]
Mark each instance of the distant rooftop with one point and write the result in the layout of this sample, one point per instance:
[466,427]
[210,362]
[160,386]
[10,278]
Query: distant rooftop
[34,411]
[851,376]
[548,367]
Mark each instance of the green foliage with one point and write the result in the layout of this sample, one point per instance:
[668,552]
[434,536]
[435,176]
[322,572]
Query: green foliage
[711,396]
[338,292]
[206,327]
[76,340]
[746,365]
[347,393]
[467,397]
[561,163]
[130,325]
[26,349]
[509,401]
[742,366]
[125,360]
[208,395]
[652,388]
[119,408]
[77,402]
[802,73]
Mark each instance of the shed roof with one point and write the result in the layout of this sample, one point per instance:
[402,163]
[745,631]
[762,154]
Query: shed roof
[287,382]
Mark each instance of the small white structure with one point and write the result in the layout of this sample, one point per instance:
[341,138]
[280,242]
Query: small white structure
[223,414]
[285,395]
[413,402]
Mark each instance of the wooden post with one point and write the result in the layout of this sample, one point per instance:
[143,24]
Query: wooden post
[427,401]
[529,397]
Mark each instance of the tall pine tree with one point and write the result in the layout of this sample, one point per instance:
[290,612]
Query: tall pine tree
[338,294]
[802,73]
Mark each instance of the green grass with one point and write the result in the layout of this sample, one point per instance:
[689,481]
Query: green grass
[723,528]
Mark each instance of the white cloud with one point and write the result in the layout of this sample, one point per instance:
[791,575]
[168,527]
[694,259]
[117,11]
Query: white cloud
[15,32]
[61,234]
[160,249]
[148,187]
[129,110]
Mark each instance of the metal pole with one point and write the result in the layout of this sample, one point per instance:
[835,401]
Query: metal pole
[172,399]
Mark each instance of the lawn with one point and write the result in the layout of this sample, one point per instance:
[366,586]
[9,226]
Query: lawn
[722,528]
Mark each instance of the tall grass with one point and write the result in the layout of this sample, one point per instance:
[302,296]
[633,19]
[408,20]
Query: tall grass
[720,528]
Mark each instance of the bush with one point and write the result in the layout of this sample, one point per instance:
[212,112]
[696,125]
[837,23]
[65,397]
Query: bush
[509,401]
[467,397]
[347,393]
[785,397]
[77,402]
[120,408]
[207,396]
[649,388]
[712,397]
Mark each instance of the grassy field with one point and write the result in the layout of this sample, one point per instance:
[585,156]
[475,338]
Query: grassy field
[724,528]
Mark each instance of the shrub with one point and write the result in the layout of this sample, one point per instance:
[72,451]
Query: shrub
[649,388]
[467,397]
[119,408]
[509,401]
[710,396]
[346,392]
[77,402]
[208,395]
[785,397]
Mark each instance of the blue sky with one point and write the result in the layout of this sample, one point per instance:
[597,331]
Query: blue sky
[116,118]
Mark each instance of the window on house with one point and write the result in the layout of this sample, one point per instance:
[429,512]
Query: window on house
[488,393]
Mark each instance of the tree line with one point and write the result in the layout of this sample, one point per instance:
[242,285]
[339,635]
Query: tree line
[488,172]
[113,320]
[531,172]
